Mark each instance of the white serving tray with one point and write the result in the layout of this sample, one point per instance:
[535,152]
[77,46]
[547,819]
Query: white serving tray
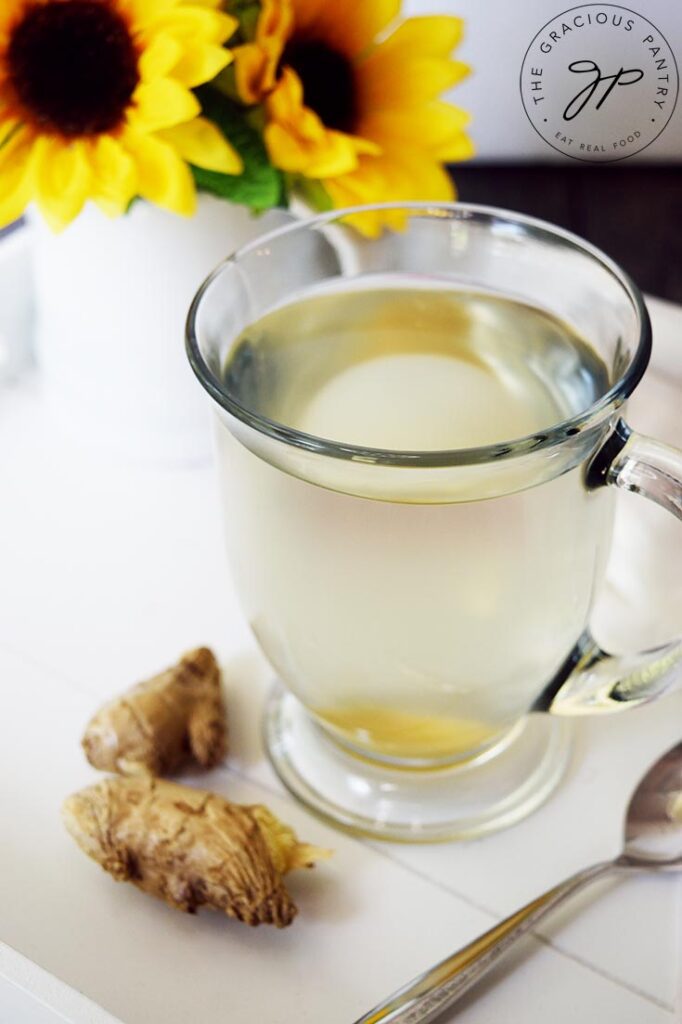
[107,573]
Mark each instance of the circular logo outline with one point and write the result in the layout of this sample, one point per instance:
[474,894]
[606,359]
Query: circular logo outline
[585,159]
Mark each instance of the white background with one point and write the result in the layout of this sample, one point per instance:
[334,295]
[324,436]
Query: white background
[498,33]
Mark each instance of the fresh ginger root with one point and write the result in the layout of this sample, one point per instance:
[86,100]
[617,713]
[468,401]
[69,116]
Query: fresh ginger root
[189,847]
[156,725]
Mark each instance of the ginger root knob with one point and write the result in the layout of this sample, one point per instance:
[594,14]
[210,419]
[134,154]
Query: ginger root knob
[189,847]
[162,722]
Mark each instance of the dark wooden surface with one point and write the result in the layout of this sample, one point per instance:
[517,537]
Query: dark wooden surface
[633,213]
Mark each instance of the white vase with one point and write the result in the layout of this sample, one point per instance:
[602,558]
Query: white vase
[112,297]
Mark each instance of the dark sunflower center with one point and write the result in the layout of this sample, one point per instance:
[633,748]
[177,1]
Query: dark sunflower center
[73,66]
[328,82]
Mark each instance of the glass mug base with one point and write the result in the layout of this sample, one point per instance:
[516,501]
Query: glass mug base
[493,790]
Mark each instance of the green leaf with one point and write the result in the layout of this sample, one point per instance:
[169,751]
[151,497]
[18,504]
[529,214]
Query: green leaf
[226,83]
[247,12]
[311,192]
[261,185]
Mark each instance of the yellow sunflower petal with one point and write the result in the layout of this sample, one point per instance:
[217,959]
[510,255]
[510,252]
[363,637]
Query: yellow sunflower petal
[430,124]
[15,177]
[368,224]
[284,149]
[459,147]
[9,11]
[390,81]
[411,66]
[349,192]
[201,63]
[347,26]
[287,99]
[419,178]
[256,62]
[289,153]
[61,179]
[254,75]
[436,35]
[307,14]
[201,143]
[436,127]
[410,176]
[397,175]
[162,53]
[163,176]
[161,103]
[198,24]
[358,187]
[143,13]
[275,21]
[298,141]
[114,175]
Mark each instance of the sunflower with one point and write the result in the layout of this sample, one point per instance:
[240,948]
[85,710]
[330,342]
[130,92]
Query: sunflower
[96,103]
[357,113]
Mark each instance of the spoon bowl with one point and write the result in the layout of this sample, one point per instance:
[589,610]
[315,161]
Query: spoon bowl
[653,822]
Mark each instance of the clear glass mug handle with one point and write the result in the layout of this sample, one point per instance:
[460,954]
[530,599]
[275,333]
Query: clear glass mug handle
[591,680]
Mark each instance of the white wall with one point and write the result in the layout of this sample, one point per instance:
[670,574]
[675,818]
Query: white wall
[498,34]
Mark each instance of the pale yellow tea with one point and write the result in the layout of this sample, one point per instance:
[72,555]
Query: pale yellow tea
[416,630]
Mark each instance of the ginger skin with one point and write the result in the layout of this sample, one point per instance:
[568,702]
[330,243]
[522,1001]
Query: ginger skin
[160,723]
[189,847]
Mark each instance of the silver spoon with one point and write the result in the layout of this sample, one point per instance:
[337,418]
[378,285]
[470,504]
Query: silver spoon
[653,840]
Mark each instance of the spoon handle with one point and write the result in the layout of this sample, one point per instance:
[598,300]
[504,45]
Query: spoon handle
[426,996]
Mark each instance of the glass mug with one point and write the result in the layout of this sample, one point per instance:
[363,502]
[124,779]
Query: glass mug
[418,605]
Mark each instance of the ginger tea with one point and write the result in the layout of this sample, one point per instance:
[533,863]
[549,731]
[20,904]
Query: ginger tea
[414,630]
